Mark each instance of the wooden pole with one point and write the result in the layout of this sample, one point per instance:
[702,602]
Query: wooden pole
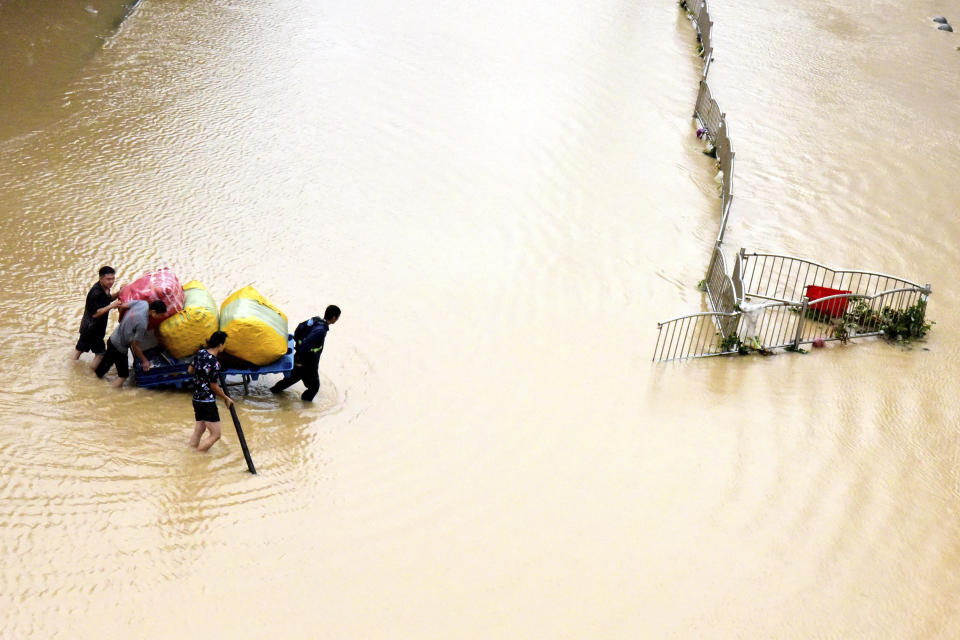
[236,423]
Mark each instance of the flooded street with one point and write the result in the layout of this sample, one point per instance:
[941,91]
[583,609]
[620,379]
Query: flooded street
[504,199]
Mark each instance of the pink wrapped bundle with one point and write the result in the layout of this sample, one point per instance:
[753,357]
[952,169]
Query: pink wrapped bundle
[161,284]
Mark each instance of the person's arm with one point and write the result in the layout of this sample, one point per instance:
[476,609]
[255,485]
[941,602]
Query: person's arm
[218,391]
[102,310]
[137,351]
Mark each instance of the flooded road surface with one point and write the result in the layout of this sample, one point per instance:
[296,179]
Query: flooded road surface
[504,200]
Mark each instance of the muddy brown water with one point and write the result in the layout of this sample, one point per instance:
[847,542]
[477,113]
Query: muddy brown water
[504,199]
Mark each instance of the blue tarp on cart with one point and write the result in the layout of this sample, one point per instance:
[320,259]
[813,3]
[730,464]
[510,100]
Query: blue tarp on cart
[166,371]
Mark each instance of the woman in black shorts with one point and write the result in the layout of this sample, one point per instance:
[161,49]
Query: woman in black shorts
[206,371]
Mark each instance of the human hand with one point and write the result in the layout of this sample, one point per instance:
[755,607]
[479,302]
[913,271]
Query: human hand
[228,401]
[146,364]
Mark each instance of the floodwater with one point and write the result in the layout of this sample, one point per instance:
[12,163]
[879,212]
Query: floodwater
[504,198]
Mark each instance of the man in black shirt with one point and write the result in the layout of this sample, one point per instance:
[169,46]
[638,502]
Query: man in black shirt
[309,338]
[94,324]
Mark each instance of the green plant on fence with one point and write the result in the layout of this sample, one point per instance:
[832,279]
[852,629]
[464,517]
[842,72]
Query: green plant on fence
[730,343]
[895,324]
[862,314]
[906,324]
[843,331]
[702,285]
[733,343]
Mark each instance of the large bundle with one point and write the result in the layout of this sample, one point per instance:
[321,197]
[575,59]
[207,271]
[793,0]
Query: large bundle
[256,330]
[156,285]
[182,334]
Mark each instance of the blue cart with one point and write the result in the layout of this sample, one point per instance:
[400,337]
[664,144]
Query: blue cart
[168,372]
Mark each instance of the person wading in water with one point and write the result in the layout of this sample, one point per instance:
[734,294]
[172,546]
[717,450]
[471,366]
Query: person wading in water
[93,326]
[205,370]
[127,336]
[309,338]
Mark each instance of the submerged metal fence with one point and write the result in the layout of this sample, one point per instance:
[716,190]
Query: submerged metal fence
[697,335]
[777,324]
[713,124]
[725,157]
[707,111]
[777,277]
[719,286]
[701,19]
[765,301]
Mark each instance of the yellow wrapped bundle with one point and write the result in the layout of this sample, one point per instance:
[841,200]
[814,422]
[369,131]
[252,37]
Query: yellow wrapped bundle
[256,330]
[185,332]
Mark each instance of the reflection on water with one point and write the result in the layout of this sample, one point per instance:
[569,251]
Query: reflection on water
[503,200]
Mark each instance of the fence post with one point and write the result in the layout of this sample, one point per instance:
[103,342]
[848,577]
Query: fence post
[804,305]
[724,215]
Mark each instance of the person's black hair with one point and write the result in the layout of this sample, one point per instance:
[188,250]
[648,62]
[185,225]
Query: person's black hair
[159,306]
[105,271]
[332,312]
[217,338]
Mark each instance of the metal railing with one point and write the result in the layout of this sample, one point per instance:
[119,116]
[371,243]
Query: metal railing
[708,113]
[725,157]
[719,286]
[705,30]
[786,317]
[714,122]
[784,324]
[696,8]
[701,20]
[778,277]
[724,217]
[778,324]
[697,335]
[773,325]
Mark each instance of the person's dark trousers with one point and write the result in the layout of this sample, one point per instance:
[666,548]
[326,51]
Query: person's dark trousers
[306,369]
[112,356]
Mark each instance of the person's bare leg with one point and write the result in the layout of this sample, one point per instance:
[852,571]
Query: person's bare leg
[116,384]
[214,429]
[197,432]
[96,361]
[76,354]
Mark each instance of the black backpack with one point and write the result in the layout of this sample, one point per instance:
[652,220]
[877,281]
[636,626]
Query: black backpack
[304,328]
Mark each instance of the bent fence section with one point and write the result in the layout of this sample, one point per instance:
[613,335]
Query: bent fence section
[764,302]
[701,19]
[742,318]
[693,336]
[720,289]
[708,113]
[713,124]
[725,157]
[777,277]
